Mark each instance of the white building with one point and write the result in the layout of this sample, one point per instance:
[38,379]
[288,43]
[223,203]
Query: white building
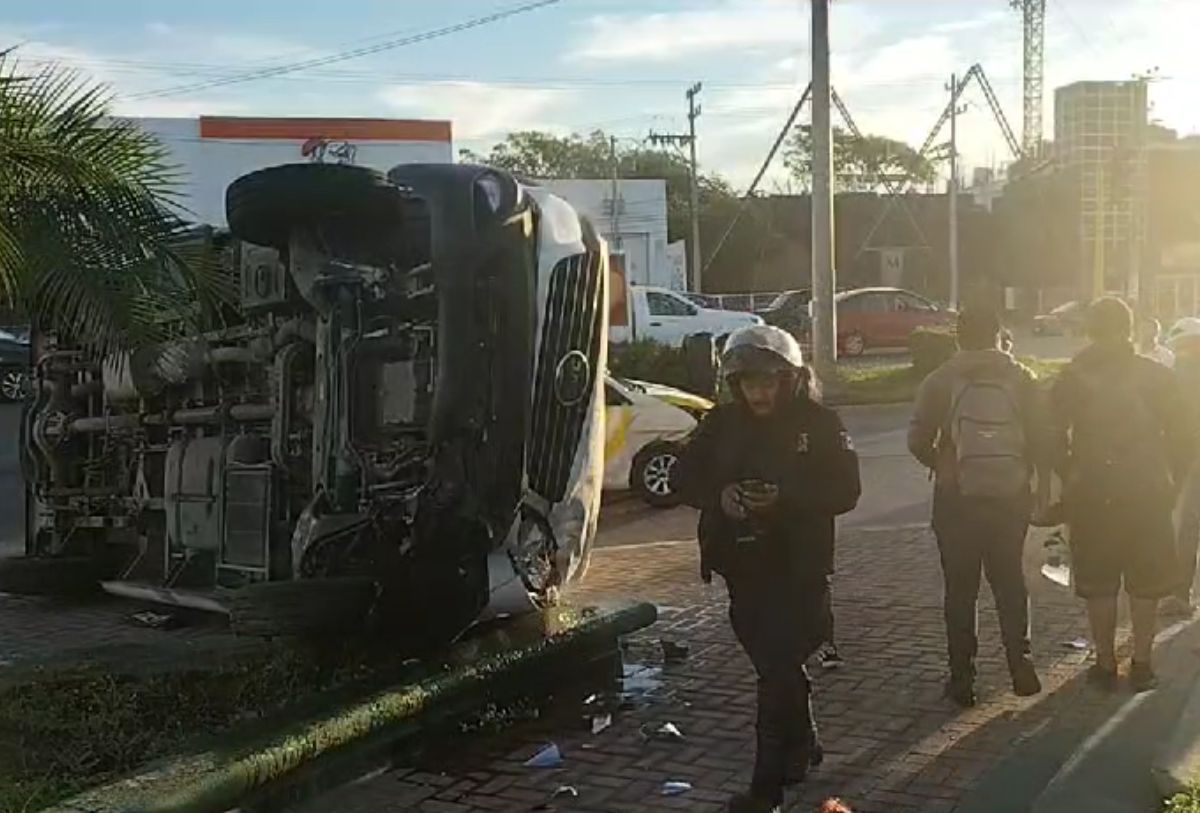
[212,151]
[640,222]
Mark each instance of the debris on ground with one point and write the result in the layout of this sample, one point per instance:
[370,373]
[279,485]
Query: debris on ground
[548,757]
[601,722]
[1081,644]
[156,621]
[667,732]
[676,788]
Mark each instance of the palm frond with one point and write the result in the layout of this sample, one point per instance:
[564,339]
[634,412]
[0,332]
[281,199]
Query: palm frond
[90,215]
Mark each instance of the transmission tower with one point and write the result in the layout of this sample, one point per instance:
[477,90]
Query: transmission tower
[1034,12]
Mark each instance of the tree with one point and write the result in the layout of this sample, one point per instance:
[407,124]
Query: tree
[90,223]
[860,164]
[543,155]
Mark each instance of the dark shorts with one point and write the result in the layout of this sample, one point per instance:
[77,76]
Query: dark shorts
[1134,549]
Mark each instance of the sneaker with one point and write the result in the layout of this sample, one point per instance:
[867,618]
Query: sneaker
[1103,677]
[962,691]
[830,658]
[1142,677]
[745,803]
[1025,681]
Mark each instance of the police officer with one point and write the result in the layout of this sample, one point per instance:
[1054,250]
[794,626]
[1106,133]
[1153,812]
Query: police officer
[769,471]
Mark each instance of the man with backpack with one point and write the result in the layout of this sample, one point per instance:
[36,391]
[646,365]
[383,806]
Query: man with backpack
[978,425]
[1123,448]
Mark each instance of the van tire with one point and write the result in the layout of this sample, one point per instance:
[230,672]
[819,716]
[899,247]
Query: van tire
[264,207]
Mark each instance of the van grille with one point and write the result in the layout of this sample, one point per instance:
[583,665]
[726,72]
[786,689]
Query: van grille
[564,384]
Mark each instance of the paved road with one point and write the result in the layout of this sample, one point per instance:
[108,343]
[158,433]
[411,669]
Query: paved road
[896,490]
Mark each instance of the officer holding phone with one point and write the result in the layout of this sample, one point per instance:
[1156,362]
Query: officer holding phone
[769,472]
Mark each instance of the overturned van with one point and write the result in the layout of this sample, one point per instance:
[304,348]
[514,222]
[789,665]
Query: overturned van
[403,423]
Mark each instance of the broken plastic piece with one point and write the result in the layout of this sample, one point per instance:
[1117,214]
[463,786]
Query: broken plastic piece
[675,788]
[566,790]
[1078,643]
[667,732]
[600,722]
[158,621]
[548,757]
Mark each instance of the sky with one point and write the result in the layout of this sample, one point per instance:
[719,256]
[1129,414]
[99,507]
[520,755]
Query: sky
[618,65]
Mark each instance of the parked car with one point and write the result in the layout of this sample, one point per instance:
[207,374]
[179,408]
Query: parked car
[668,317]
[1065,320]
[870,318]
[702,300]
[644,426]
[14,366]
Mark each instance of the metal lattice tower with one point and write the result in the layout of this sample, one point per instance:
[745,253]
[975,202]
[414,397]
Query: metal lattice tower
[1034,12]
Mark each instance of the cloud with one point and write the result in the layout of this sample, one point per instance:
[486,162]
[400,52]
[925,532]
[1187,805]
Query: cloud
[477,109]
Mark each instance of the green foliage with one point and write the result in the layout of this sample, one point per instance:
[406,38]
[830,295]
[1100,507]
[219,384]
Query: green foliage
[90,221]
[882,384]
[931,348]
[858,163]
[1187,802]
[70,731]
[543,155]
[649,361]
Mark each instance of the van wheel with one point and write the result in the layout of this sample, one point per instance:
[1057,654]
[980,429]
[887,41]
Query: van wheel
[854,345]
[651,475]
[337,199]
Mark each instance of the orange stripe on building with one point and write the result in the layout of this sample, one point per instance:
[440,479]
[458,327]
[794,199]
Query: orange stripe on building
[296,129]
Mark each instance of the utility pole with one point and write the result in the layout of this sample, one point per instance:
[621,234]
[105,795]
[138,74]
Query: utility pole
[824,323]
[615,220]
[955,109]
[689,138]
[694,200]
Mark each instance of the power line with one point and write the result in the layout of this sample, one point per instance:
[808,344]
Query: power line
[343,56]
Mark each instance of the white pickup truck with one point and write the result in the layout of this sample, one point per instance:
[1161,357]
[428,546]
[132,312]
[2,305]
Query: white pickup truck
[668,317]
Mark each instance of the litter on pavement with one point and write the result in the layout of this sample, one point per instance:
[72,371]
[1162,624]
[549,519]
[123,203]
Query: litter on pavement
[667,732]
[675,788]
[548,757]
[600,722]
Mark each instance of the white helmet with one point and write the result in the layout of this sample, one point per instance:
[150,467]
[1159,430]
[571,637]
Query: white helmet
[761,348]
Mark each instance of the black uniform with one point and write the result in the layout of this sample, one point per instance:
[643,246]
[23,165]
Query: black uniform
[776,568]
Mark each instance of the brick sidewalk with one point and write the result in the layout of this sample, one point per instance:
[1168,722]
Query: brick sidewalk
[893,744]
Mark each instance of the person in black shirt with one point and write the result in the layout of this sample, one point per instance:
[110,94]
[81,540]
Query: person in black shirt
[1123,446]
[769,472]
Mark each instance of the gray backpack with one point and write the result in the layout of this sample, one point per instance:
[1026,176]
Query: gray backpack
[988,434]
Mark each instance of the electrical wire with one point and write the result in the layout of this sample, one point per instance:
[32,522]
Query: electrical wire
[343,56]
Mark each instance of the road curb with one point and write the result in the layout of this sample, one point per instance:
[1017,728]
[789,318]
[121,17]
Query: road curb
[244,764]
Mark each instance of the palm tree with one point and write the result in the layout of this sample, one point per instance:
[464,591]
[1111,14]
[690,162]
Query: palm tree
[92,233]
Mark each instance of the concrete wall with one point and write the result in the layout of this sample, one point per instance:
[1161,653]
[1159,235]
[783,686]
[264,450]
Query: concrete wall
[641,222]
[212,152]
